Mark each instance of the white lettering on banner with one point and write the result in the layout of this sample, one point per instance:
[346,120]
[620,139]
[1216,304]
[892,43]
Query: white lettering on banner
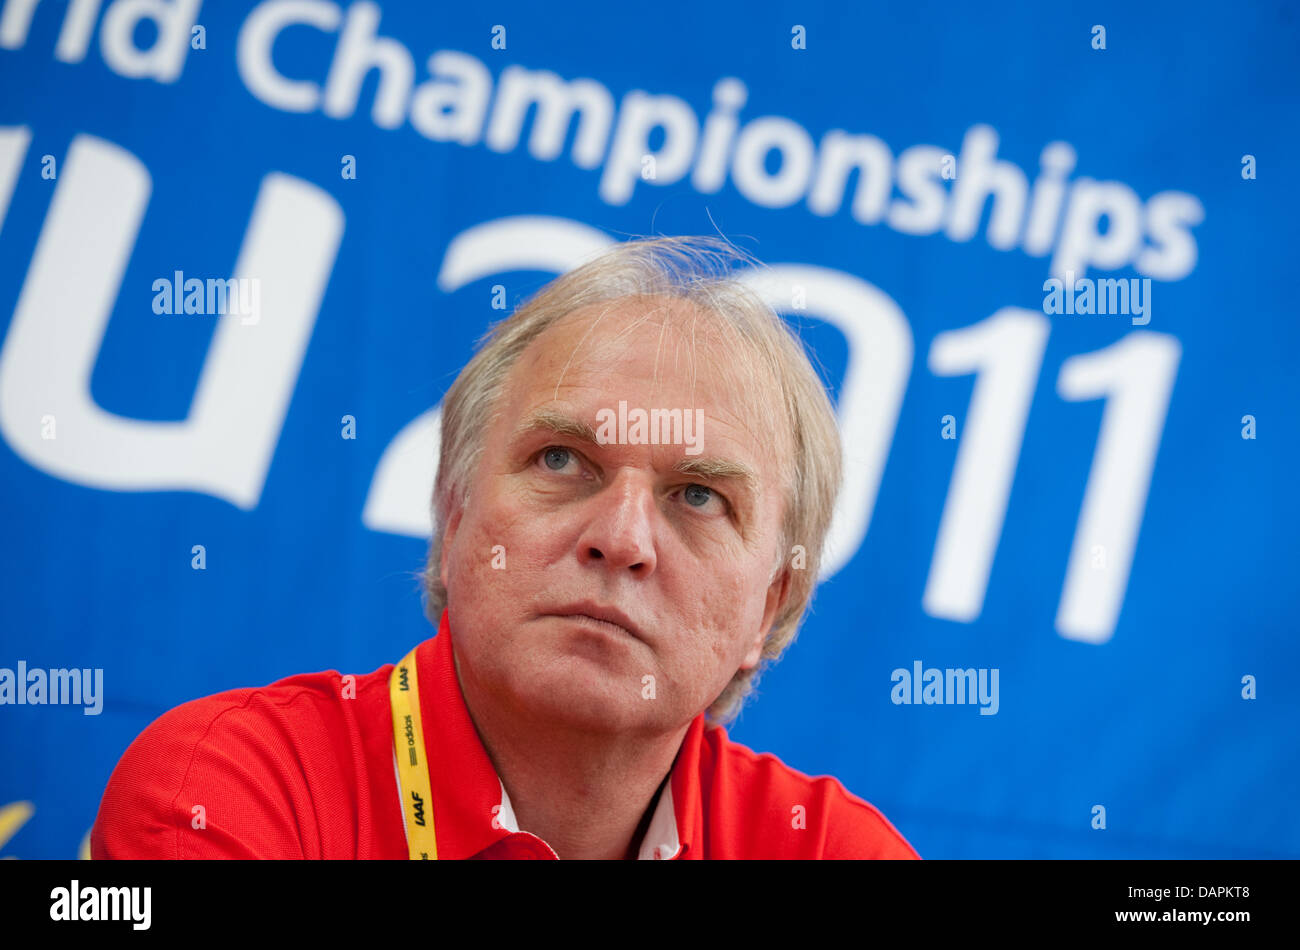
[557,101]
[456,103]
[13,147]
[253,52]
[1005,351]
[1136,375]
[162,61]
[399,498]
[1084,224]
[880,348]
[224,446]
[401,490]
[1136,378]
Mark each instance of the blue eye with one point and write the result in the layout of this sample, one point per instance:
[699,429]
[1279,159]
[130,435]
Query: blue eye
[556,458]
[697,495]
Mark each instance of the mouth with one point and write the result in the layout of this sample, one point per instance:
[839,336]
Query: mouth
[596,616]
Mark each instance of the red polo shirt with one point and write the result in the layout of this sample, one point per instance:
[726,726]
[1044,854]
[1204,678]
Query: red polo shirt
[304,768]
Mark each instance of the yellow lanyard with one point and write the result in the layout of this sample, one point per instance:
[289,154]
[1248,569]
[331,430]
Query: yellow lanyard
[412,769]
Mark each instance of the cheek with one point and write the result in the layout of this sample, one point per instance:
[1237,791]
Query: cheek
[487,587]
[501,548]
[727,614]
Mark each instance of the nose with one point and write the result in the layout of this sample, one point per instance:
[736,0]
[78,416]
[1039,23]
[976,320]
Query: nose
[620,528]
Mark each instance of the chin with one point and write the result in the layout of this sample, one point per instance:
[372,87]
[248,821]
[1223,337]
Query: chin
[582,698]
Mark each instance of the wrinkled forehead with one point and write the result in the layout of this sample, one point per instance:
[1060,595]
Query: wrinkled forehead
[683,347]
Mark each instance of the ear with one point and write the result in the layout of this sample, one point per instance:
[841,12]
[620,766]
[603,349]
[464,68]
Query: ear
[778,593]
[449,536]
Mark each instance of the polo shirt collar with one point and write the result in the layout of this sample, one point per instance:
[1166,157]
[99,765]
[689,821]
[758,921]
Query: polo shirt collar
[471,810]
[661,841]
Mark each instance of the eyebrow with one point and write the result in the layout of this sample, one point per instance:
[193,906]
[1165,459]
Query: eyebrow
[718,469]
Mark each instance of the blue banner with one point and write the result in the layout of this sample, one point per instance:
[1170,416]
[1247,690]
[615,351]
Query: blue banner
[1039,253]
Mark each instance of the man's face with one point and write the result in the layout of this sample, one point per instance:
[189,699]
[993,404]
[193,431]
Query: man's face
[679,540]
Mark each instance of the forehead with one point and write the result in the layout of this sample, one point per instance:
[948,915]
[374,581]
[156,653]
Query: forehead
[667,351]
[663,351]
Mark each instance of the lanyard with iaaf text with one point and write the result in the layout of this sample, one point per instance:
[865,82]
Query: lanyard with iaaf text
[412,769]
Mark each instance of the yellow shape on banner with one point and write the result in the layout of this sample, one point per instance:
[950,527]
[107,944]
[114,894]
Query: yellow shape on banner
[12,817]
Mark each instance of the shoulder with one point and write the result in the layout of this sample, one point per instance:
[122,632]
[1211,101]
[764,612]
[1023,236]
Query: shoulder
[784,813]
[226,775]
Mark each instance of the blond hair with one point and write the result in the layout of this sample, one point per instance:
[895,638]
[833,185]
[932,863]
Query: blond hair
[696,270]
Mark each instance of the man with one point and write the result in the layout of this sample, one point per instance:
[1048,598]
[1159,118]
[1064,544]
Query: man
[636,477]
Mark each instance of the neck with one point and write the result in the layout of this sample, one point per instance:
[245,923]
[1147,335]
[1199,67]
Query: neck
[587,795]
